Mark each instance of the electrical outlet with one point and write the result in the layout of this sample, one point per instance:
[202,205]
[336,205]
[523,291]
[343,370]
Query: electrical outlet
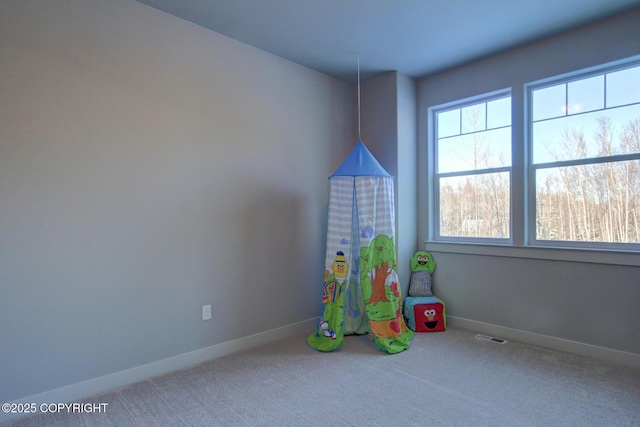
[206,312]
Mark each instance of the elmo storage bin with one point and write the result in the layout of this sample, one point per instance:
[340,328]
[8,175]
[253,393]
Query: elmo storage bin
[425,314]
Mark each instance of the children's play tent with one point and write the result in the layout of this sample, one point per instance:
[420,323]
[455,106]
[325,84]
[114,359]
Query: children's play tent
[361,291]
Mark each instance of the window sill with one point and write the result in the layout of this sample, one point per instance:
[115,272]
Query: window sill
[591,256]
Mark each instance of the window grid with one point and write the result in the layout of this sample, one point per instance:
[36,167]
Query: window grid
[470,226]
[586,233]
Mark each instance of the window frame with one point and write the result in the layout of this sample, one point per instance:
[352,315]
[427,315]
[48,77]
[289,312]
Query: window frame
[520,244]
[531,167]
[435,175]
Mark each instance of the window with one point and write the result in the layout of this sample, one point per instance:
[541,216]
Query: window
[473,169]
[584,135]
[575,153]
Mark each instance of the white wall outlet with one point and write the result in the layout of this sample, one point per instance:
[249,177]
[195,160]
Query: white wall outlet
[206,312]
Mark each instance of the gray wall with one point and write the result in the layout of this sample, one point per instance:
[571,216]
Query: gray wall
[148,167]
[578,300]
[389,114]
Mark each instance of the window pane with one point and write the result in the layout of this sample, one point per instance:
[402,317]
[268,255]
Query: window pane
[597,134]
[449,123]
[474,118]
[623,87]
[482,150]
[549,102]
[475,206]
[589,203]
[585,95]
[499,113]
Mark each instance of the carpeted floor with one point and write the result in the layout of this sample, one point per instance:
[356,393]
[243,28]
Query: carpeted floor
[444,379]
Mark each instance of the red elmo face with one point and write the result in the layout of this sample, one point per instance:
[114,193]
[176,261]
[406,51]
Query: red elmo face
[429,318]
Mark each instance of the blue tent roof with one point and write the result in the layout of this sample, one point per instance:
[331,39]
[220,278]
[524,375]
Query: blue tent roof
[360,162]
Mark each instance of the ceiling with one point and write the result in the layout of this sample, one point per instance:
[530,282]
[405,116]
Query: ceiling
[414,37]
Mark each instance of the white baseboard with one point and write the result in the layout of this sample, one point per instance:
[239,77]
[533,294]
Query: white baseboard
[84,389]
[602,353]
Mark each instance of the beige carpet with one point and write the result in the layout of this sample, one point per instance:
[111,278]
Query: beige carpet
[444,379]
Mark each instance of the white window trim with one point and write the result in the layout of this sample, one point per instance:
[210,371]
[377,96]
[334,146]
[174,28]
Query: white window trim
[434,196]
[580,255]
